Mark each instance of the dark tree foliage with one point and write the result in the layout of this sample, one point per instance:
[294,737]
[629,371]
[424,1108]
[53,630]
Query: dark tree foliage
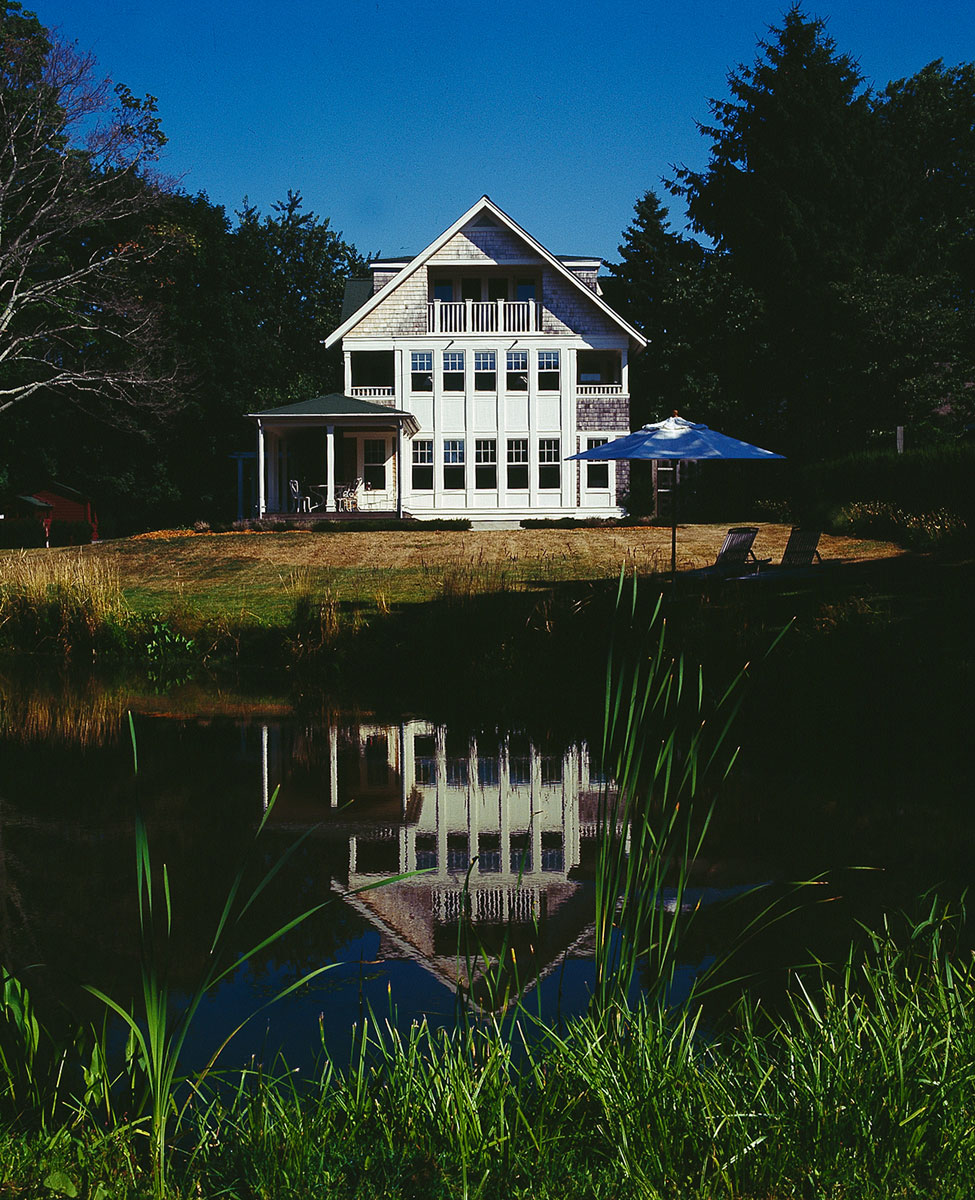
[242,311]
[784,201]
[293,267]
[692,310]
[843,234]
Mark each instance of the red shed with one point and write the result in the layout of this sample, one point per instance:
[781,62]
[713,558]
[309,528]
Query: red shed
[65,504]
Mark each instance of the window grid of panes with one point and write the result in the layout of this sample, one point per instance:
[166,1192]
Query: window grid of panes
[485,463]
[597,473]
[517,455]
[485,360]
[421,360]
[454,477]
[423,465]
[549,463]
[453,360]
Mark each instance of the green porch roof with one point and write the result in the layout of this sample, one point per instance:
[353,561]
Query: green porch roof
[334,405]
[338,405]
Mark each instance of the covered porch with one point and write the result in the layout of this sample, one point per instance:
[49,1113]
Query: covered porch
[331,455]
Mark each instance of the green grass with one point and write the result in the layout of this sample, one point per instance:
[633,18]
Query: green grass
[861,1086]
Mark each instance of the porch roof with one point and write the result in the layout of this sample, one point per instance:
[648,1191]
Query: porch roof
[344,409]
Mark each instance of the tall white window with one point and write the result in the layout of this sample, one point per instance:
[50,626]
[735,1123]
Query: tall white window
[421,371]
[422,465]
[548,371]
[485,463]
[453,370]
[517,371]
[453,464]
[374,463]
[518,464]
[485,371]
[549,463]
[597,473]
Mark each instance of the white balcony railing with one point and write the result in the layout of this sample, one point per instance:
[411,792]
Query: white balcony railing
[493,316]
[599,389]
[366,393]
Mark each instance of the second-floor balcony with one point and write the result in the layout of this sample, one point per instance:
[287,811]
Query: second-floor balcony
[489,316]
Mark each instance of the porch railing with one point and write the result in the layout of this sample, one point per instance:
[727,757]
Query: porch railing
[599,389]
[492,316]
[366,392]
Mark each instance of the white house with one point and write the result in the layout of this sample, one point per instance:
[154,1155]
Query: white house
[472,371]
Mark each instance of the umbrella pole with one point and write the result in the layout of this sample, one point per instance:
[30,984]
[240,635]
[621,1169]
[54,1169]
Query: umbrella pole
[673,527]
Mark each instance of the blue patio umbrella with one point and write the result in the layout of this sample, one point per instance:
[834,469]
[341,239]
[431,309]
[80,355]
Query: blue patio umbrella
[680,439]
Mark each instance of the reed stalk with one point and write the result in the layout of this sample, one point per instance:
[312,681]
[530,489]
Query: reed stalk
[666,746]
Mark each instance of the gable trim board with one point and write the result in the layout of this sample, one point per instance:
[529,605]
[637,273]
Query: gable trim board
[484,204]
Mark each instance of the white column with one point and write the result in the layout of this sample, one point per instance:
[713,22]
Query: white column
[569,404]
[333,766]
[261,495]
[265,783]
[330,468]
[399,470]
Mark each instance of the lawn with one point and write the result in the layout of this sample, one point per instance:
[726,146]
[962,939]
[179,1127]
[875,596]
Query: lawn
[256,574]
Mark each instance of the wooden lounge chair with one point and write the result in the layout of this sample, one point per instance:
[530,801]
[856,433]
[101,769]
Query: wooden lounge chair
[735,556]
[736,552]
[801,548]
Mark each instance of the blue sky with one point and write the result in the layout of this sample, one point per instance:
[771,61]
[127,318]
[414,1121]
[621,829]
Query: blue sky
[391,117]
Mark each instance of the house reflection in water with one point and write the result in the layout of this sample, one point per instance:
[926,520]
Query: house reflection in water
[501,830]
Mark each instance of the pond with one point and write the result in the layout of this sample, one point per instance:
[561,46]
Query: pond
[437,851]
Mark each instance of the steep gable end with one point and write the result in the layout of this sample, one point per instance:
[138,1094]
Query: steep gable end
[470,239]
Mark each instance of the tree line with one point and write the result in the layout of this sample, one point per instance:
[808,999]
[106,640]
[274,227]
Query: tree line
[139,324]
[820,294]
[829,295]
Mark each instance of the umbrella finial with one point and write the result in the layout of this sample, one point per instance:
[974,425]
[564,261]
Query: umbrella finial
[675,412]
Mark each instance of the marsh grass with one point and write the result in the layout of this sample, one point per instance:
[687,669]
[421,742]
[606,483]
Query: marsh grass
[861,1086]
[667,746]
[68,601]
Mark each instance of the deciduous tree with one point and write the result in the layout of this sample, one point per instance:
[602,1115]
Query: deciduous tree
[75,186]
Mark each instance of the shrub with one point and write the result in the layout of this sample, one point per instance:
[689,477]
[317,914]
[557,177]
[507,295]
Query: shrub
[570,523]
[931,479]
[387,525]
[21,533]
[885,521]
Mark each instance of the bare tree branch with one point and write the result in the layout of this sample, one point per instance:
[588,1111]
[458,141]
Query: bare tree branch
[77,192]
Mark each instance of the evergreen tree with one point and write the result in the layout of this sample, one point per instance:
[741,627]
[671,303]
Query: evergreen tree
[784,199]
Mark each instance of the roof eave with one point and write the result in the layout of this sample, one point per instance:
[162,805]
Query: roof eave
[485,202]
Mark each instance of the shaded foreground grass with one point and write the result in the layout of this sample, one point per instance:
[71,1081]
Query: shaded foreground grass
[862,1086]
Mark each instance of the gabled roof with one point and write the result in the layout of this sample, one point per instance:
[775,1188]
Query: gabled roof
[338,405]
[485,204]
